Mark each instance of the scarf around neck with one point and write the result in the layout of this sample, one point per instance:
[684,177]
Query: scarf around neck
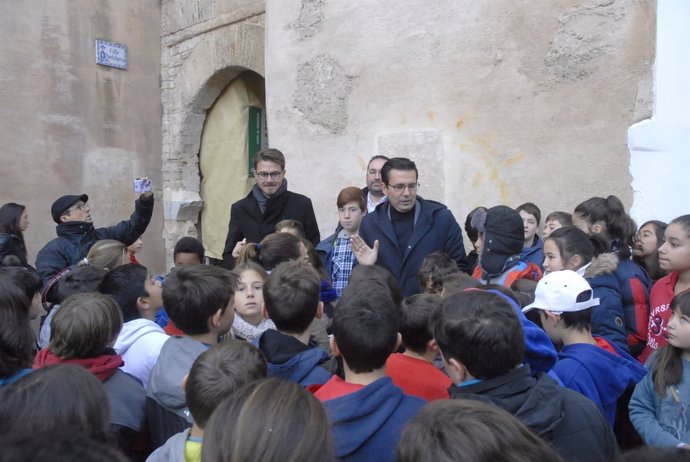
[248,331]
[261,197]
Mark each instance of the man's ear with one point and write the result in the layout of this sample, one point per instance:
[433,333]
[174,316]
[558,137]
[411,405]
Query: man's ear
[319,311]
[63,218]
[334,346]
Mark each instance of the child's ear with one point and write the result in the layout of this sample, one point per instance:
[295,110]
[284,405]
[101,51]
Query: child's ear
[215,319]
[456,370]
[398,343]
[319,311]
[597,228]
[184,381]
[143,304]
[334,346]
[551,317]
[431,345]
[575,262]
[264,311]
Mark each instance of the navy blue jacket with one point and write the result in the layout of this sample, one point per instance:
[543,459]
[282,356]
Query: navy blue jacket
[607,318]
[367,423]
[435,229]
[598,374]
[290,359]
[535,253]
[635,286]
[75,238]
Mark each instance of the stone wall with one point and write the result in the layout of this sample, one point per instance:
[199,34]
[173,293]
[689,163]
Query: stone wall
[498,102]
[70,126]
[204,45]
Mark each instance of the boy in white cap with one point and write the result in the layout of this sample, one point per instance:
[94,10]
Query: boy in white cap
[598,369]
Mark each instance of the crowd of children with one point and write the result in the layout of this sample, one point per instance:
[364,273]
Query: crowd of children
[567,340]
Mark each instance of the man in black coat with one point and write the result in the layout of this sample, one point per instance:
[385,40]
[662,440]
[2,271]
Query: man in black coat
[76,233]
[269,201]
[483,345]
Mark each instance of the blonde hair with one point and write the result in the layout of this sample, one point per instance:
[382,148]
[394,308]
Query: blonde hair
[107,254]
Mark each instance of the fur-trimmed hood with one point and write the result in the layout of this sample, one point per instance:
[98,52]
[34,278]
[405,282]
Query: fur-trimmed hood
[606,263]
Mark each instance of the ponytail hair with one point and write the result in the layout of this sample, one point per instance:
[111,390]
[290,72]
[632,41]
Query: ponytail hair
[273,250]
[667,369]
[573,241]
[620,228]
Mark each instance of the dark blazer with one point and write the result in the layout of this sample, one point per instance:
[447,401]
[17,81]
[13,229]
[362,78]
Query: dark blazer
[435,229]
[247,221]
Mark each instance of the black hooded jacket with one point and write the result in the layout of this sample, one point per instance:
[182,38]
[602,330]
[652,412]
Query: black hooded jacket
[562,417]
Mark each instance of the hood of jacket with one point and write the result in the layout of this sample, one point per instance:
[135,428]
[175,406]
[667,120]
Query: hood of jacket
[132,331]
[358,416]
[175,359]
[536,402]
[606,263]
[290,359]
[613,374]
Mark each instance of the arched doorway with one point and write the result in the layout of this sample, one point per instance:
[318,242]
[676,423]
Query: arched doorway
[234,129]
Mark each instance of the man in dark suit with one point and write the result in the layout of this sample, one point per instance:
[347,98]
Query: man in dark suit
[269,201]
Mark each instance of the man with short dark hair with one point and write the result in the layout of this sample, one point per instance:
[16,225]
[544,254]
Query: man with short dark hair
[407,228]
[76,233]
[373,192]
[269,201]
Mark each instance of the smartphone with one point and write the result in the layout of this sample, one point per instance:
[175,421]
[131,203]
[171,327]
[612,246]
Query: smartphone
[142,185]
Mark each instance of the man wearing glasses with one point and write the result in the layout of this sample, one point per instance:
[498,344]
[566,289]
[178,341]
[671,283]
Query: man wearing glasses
[400,233]
[373,192]
[76,233]
[269,201]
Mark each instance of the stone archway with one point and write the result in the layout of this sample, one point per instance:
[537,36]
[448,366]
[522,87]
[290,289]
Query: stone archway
[197,63]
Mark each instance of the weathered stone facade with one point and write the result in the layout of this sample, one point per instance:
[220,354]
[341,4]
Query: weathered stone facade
[205,44]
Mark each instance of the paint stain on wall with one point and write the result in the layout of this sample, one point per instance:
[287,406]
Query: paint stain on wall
[431,115]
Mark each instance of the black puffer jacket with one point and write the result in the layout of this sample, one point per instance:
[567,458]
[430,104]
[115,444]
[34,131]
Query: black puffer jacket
[562,417]
[75,238]
[12,251]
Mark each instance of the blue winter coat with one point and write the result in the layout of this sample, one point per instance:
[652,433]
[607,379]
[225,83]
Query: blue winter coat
[635,286]
[367,423]
[435,229]
[291,360]
[608,317]
[75,238]
[598,374]
[535,253]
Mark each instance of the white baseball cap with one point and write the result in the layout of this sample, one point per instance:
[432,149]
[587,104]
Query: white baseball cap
[562,292]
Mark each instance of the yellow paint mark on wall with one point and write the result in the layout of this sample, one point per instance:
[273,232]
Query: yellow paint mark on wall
[362,162]
[403,119]
[513,160]
[477,179]
[459,123]
[431,115]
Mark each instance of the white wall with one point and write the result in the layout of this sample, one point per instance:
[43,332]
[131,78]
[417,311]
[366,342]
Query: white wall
[660,146]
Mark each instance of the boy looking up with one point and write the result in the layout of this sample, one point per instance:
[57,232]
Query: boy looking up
[366,409]
[138,295]
[414,370]
[215,374]
[482,343]
[199,300]
[598,369]
[291,301]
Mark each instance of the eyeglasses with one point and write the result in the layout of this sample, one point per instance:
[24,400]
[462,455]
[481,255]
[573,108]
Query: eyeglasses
[401,187]
[82,207]
[263,176]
